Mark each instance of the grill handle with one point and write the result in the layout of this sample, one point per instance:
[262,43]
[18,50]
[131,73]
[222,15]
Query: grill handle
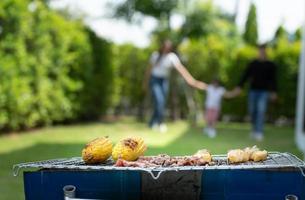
[291,197]
[69,193]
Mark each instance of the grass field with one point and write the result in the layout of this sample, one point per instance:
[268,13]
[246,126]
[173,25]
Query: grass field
[181,139]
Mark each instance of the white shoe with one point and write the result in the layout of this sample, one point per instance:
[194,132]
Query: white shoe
[257,136]
[211,133]
[163,128]
[155,127]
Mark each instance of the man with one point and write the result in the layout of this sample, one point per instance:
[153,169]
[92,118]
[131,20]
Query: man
[261,73]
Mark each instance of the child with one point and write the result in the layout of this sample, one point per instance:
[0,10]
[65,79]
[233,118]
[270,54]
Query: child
[215,92]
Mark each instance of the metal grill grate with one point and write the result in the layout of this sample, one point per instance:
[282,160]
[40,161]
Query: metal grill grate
[275,160]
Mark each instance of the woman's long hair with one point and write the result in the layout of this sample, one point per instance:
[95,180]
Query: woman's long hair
[161,49]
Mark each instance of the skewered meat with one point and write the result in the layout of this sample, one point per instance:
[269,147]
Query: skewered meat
[124,163]
[200,158]
[204,155]
[163,160]
[248,154]
[259,156]
[236,156]
[97,151]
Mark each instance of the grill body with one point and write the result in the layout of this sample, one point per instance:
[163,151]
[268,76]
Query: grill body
[125,185]
[280,175]
[48,185]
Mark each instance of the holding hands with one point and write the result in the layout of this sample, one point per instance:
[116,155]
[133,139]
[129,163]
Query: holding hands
[203,86]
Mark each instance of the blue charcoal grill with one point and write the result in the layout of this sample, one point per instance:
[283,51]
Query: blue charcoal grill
[281,175]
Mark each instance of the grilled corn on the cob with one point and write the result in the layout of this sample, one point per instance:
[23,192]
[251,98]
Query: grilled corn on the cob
[129,149]
[97,151]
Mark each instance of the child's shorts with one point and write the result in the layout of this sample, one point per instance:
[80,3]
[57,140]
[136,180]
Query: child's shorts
[211,114]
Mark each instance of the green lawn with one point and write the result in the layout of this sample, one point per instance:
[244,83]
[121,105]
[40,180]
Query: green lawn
[68,141]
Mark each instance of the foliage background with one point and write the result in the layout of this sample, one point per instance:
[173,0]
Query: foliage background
[54,69]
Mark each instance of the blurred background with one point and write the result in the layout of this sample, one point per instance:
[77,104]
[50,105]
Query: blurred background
[72,70]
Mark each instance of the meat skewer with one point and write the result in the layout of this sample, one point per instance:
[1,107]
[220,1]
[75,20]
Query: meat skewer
[200,158]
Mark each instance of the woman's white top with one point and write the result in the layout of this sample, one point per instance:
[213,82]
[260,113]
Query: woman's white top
[214,96]
[161,68]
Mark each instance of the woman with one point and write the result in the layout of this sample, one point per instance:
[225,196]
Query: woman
[158,72]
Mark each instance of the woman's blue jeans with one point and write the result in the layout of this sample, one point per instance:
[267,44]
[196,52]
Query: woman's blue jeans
[258,100]
[159,89]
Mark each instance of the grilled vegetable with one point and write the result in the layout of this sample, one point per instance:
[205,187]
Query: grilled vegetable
[253,153]
[248,153]
[129,149]
[204,155]
[97,151]
[236,156]
[259,156]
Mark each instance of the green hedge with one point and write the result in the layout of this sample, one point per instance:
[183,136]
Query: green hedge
[286,55]
[131,64]
[52,69]
[101,85]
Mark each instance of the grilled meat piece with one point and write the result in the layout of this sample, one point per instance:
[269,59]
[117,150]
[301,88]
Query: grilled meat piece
[124,163]
[200,158]
[163,160]
[259,156]
[204,155]
[248,154]
[236,156]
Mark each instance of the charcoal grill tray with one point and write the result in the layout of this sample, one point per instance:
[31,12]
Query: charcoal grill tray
[275,160]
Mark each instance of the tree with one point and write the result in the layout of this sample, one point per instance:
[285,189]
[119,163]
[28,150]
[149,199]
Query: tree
[298,34]
[205,19]
[199,22]
[159,9]
[251,33]
[280,33]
